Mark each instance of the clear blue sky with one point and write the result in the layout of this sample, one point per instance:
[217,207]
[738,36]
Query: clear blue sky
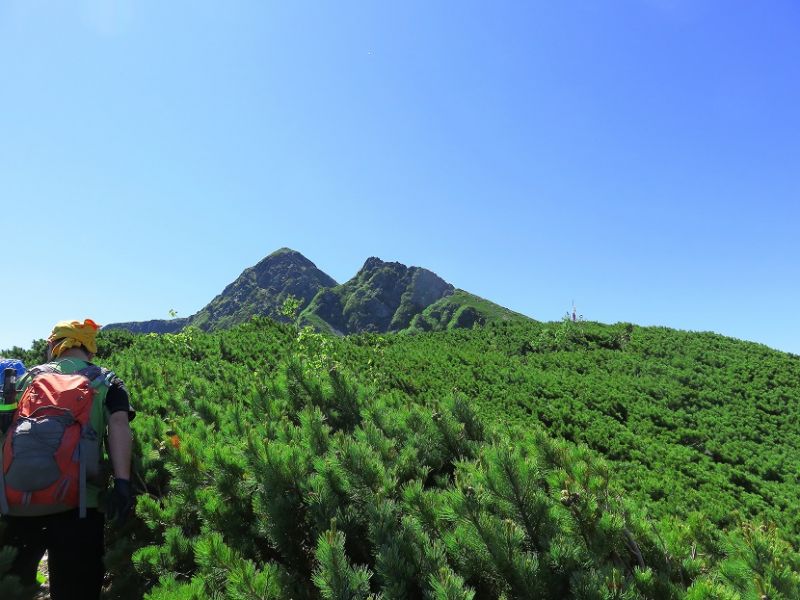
[641,158]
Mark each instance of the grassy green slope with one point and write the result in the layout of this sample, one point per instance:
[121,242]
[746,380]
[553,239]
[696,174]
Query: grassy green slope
[457,310]
[461,310]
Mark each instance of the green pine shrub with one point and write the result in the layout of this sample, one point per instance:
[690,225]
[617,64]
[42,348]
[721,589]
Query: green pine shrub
[273,462]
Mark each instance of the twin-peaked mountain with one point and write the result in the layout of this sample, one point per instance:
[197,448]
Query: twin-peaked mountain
[382,297]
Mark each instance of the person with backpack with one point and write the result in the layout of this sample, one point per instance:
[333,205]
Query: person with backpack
[51,471]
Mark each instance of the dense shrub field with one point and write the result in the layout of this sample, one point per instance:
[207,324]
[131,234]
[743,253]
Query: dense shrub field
[562,460]
[692,421]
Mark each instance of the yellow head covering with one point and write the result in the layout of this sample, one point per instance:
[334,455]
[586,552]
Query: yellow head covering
[72,334]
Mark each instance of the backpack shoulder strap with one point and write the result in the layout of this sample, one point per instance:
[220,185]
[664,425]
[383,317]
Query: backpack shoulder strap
[38,370]
[98,376]
[90,371]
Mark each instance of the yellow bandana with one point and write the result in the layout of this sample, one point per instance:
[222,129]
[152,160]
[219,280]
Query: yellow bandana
[72,334]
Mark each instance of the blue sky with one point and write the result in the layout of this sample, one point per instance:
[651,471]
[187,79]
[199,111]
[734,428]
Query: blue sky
[641,158]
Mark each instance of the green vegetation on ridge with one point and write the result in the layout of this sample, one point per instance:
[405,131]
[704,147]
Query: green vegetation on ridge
[461,310]
[275,463]
[390,297]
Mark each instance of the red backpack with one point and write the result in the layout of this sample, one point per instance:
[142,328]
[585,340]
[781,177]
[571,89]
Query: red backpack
[51,446]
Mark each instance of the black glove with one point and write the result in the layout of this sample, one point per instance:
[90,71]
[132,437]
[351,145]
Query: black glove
[120,501]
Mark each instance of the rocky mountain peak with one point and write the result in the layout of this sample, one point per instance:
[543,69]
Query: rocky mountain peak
[287,267]
[381,297]
[372,263]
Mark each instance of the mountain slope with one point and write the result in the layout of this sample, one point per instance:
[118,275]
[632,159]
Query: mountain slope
[387,297]
[262,289]
[152,326]
[259,291]
[460,310]
[382,297]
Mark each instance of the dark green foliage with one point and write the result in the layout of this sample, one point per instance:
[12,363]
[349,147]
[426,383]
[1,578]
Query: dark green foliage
[111,341]
[274,462]
[693,421]
[37,353]
[10,587]
[335,578]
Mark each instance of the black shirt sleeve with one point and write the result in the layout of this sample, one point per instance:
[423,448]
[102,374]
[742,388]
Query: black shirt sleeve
[118,399]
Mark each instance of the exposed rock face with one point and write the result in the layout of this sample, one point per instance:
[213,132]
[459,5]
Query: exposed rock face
[383,296]
[262,289]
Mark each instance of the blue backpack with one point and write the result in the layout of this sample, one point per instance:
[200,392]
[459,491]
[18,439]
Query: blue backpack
[11,363]
[11,370]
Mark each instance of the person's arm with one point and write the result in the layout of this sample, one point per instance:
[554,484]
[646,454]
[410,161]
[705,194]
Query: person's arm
[119,444]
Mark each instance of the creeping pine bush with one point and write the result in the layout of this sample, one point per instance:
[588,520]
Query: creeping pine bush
[267,470]
[312,486]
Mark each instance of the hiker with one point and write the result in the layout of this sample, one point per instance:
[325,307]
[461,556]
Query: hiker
[50,499]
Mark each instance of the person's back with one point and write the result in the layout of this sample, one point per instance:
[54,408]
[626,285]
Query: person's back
[70,529]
